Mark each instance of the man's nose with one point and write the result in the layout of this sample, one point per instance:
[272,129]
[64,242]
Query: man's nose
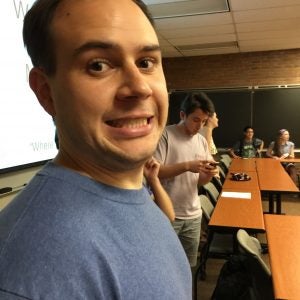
[134,84]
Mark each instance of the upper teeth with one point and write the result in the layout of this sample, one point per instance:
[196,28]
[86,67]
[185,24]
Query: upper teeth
[130,123]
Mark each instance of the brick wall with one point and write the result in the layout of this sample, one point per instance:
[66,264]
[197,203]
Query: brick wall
[234,70]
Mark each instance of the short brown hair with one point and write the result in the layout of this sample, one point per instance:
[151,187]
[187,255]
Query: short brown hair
[37,36]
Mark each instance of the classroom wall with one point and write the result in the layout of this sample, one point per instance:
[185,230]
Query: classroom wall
[234,70]
[230,70]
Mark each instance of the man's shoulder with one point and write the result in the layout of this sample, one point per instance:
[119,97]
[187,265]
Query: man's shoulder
[201,138]
[170,128]
[257,140]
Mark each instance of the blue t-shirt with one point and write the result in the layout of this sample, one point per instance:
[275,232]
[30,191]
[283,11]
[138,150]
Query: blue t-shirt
[67,236]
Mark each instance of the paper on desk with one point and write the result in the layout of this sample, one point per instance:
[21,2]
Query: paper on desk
[240,195]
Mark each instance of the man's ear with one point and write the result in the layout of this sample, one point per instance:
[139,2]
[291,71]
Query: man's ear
[39,84]
[182,115]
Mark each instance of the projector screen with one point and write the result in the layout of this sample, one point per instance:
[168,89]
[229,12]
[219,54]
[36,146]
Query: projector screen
[26,130]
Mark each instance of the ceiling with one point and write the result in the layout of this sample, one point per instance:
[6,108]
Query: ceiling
[205,27]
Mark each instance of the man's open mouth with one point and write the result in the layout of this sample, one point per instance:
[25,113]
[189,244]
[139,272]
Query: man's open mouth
[129,123]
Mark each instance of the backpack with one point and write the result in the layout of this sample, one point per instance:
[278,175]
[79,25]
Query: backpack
[237,282]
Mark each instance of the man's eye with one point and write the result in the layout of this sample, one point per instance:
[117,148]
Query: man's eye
[146,63]
[98,66]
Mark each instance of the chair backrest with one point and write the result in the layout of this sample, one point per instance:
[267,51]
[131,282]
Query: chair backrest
[221,173]
[227,158]
[224,165]
[206,206]
[250,245]
[217,183]
[212,191]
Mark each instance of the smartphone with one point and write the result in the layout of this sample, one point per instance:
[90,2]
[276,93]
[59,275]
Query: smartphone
[213,164]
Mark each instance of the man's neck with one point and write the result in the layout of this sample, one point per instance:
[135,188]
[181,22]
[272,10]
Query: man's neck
[126,179]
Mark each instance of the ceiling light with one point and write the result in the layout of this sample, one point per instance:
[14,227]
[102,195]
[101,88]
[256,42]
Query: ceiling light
[167,9]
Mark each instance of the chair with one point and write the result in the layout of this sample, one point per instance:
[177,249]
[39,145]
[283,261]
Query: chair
[218,244]
[224,165]
[216,181]
[222,174]
[258,269]
[212,192]
[227,159]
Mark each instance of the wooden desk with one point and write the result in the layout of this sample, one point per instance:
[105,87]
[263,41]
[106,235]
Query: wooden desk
[229,215]
[283,236]
[291,160]
[242,165]
[235,213]
[242,185]
[272,178]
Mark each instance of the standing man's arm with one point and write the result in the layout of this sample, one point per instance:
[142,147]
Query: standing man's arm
[172,170]
[207,174]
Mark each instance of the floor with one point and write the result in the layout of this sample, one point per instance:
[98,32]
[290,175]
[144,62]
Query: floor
[290,206]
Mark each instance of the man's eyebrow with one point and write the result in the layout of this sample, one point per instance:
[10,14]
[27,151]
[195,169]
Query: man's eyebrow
[153,47]
[108,45]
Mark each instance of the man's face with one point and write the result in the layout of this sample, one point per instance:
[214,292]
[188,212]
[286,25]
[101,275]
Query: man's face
[194,121]
[109,94]
[249,133]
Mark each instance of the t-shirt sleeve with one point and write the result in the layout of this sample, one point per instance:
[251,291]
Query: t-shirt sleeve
[257,143]
[161,150]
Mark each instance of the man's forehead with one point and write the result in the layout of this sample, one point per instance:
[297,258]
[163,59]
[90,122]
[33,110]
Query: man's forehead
[198,112]
[87,19]
[104,10]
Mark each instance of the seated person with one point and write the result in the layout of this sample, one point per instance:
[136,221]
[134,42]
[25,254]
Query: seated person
[283,148]
[248,146]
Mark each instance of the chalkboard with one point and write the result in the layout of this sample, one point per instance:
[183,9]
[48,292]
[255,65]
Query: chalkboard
[275,109]
[266,109]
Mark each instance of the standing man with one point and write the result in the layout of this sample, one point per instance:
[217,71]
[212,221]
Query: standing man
[184,156]
[84,227]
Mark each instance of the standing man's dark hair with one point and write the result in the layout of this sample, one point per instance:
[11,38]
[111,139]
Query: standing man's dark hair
[197,100]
